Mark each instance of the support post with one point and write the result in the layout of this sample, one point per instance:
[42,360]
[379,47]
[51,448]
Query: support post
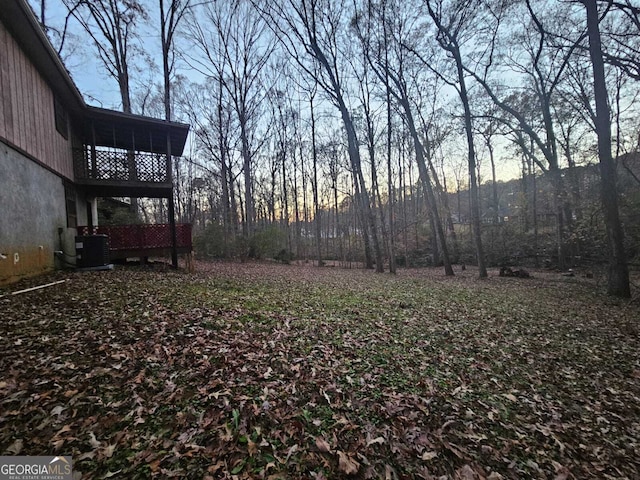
[93,226]
[172,214]
[94,165]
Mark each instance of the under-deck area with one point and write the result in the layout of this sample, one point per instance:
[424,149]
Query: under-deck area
[142,240]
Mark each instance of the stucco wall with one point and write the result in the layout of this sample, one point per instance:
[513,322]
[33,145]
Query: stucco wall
[32,209]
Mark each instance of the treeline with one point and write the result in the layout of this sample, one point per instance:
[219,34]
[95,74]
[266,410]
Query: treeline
[518,223]
[338,129]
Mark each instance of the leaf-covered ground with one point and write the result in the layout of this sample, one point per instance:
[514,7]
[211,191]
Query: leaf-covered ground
[273,371]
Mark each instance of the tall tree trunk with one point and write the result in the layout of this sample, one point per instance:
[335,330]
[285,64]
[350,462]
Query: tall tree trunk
[285,195]
[526,169]
[369,220]
[246,165]
[494,185]
[618,279]
[224,175]
[305,203]
[449,221]
[375,187]
[534,187]
[426,183]
[403,199]
[338,231]
[391,199]
[233,203]
[473,181]
[296,205]
[316,203]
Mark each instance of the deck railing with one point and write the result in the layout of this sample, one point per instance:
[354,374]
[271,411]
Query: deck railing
[142,237]
[119,165]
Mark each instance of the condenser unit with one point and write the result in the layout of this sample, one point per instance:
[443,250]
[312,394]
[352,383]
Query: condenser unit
[92,251]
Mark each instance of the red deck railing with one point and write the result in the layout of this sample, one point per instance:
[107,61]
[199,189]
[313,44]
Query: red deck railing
[138,240]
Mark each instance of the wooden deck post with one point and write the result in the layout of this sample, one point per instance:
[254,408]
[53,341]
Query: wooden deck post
[94,164]
[172,213]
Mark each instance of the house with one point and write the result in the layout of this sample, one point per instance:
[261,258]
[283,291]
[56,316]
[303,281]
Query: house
[58,155]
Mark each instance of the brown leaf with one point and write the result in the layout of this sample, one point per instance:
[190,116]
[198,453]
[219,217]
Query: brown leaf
[108,450]
[378,440]
[66,428]
[426,456]
[252,447]
[346,464]
[466,473]
[89,455]
[214,468]
[323,445]
[562,472]
[94,441]
[155,465]
[57,444]
[16,447]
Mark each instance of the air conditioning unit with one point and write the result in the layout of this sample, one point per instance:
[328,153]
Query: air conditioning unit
[92,251]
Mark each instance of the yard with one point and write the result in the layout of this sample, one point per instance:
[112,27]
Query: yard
[272,371]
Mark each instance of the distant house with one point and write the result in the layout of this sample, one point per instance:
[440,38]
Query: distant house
[58,155]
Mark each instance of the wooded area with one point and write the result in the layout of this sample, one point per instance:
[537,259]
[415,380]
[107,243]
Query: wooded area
[390,133]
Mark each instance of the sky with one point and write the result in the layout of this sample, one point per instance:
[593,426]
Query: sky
[86,69]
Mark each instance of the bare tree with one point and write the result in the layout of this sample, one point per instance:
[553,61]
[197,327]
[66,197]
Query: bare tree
[234,45]
[618,280]
[309,30]
[542,64]
[111,26]
[451,23]
[314,181]
[171,14]
[377,46]
[216,133]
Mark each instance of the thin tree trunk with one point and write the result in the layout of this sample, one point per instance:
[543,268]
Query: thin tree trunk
[316,203]
[249,214]
[473,182]
[534,187]
[494,185]
[391,198]
[368,219]
[426,183]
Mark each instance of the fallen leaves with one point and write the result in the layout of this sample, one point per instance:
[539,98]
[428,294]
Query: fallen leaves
[426,456]
[347,464]
[322,445]
[16,447]
[267,371]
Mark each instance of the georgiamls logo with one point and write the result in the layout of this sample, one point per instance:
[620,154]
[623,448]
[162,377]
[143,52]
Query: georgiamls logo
[59,466]
[35,467]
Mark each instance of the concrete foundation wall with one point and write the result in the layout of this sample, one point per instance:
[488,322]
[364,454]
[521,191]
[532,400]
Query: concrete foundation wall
[33,217]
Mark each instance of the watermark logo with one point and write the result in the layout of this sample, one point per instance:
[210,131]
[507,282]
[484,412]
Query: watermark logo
[36,468]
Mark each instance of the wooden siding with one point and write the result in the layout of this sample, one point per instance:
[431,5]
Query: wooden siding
[27,118]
